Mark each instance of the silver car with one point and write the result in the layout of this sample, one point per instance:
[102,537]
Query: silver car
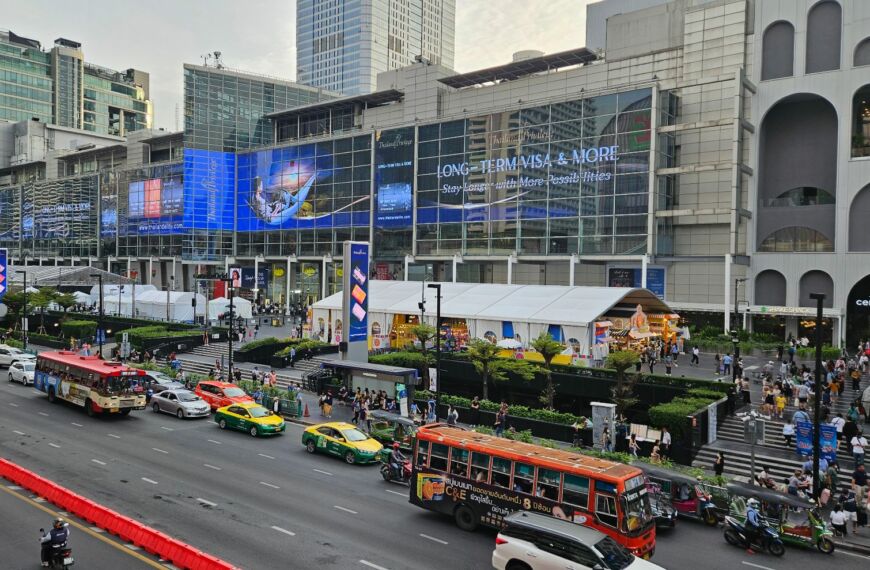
[22,371]
[182,403]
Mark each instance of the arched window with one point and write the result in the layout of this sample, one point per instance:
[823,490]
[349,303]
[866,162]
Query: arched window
[804,196]
[770,288]
[823,36]
[777,53]
[795,239]
[861,122]
[862,53]
[816,282]
[859,214]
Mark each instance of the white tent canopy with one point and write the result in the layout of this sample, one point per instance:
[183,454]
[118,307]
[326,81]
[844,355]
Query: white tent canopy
[153,305]
[221,305]
[527,309]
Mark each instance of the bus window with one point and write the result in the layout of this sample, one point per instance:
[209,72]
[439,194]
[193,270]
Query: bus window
[605,509]
[459,462]
[548,484]
[480,467]
[439,457]
[576,491]
[501,472]
[422,453]
[524,478]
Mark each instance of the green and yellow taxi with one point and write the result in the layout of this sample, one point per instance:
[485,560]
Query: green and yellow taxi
[343,440]
[250,417]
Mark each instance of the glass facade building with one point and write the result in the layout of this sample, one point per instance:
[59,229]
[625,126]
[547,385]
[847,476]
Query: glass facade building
[59,87]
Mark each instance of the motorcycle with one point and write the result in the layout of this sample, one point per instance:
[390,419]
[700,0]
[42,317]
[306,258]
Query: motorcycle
[735,535]
[60,555]
[389,475]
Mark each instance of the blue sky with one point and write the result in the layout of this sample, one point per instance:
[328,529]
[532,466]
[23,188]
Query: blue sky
[158,36]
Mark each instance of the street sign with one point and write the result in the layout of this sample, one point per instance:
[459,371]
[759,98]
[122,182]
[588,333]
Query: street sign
[2,272]
[101,336]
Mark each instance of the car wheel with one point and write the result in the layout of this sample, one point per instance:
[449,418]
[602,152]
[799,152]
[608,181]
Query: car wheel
[515,565]
[179,414]
[253,431]
[350,457]
[9,376]
[825,545]
[222,424]
[464,517]
[156,407]
[310,447]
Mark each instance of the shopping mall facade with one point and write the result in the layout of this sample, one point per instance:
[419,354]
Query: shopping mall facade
[695,148]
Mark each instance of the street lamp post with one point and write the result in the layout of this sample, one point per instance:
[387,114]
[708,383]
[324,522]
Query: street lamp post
[735,340]
[100,333]
[24,322]
[820,299]
[437,287]
[229,282]
[737,282]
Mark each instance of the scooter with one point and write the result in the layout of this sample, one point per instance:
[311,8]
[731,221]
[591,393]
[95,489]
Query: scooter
[735,535]
[388,474]
[60,555]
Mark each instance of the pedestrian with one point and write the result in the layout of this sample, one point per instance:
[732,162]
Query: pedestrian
[500,418]
[856,379]
[433,412]
[364,415]
[327,404]
[356,410]
[273,379]
[321,403]
[238,374]
[719,464]
[655,455]
[788,433]
[780,404]
[452,415]
[859,444]
[850,506]
[696,356]
[255,374]
[256,329]
[839,521]
[669,362]
[675,352]
[633,446]
[666,443]
[292,357]
[606,440]
[859,483]
[475,411]
[726,364]
[576,435]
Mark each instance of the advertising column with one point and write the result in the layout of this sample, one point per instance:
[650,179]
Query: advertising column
[355,301]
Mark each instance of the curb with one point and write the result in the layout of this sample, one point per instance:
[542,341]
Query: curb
[180,554]
[853,547]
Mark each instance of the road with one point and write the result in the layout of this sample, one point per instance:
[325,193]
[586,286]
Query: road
[266,503]
[24,515]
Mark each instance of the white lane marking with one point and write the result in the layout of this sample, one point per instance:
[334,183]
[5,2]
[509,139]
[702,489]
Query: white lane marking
[159,450]
[77,425]
[324,472]
[147,480]
[284,530]
[97,529]
[269,485]
[204,502]
[167,428]
[14,487]
[345,509]
[132,547]
[56,446]
[213,441]
[18,432]
[113,435]
[841,551]
[433,539]
[266,456]
[13,404]
[396,493]
[38,499]
[756,565]
[98,462]
[211,466]
[371,565]
[43,414]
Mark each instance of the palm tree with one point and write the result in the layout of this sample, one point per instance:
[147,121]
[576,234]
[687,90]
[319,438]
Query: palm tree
[484,356]
[40,301]
[424,333]
[548,348]
[65,300]
[623,392]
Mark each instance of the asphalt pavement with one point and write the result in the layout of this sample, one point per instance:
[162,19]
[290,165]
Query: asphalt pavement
[266,503]
[24,515]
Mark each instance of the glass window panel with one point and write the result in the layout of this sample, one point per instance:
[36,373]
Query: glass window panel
[480,467]
[501,471]
[576,491]
[637,99]
[524,478]
[459,462]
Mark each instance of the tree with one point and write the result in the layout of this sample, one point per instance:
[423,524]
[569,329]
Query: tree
[484,356]
[548,348]
[65,300]
[40,301]
[14,300]
[623,392]
[424,333]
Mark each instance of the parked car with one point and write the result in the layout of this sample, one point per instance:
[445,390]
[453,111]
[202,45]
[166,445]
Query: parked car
[220,394]
[341,439]
[250,417]
[22,371]
[10,354]
[182,403]
[541,542]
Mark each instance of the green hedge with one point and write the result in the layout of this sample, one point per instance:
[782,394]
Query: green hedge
[539,414]
[14,343]
[78,328]
[138,335]
[403,359]
[672,415]
[828,352]
[301,345]
[713,395]
[269,340]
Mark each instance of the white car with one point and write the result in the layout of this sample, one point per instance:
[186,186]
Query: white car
[22,371]
[10,354]
[530,541]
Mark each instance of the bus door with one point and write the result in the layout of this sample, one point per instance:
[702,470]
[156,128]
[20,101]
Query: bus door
[606,512]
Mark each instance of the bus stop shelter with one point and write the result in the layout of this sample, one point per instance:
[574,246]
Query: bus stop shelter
[375,377]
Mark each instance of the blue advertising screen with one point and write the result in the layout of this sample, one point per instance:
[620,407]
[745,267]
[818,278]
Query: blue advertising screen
[2,272]
[394,177]
[631,277]
[155,206]
[358,285]
[108,216]
[209,182]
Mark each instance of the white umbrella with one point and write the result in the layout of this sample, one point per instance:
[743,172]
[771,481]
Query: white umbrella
[509,343]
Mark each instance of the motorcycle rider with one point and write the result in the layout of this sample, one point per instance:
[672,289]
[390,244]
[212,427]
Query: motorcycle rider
[55,537]
[397,462]
[753,523]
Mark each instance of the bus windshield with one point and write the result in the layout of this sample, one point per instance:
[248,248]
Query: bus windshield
[119,384]
[637,516]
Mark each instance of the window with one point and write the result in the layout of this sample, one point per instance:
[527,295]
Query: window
[501,472]
[422,453]
[576,491]
[548,484]
[439,457]
[795,239]
[236,410]
[823,37]
[777,53]
[480,467]
[861,122]
[459,462]
[524,478]
[326,431]
[605,509]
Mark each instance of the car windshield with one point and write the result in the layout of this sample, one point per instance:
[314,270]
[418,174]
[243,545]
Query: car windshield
[615,556]
[354,434]
[187,397]
[233,392]
[259,412]
[29,366]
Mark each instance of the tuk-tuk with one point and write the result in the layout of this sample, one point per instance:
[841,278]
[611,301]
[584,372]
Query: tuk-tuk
[797,520]
[388,428]
[660,504]
[690,497]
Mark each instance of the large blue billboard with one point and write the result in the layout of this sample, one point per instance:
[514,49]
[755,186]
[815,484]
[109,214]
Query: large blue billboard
[209,182]
[394,177]
[358,285]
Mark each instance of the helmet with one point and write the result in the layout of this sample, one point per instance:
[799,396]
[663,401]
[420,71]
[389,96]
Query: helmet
[752,503]
[395,445]
[58,522]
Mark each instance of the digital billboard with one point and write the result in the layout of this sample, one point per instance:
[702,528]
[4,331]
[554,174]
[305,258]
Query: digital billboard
[155,206]
[357,288]
[109,216]
[631,277]
[209,181]
[394,177]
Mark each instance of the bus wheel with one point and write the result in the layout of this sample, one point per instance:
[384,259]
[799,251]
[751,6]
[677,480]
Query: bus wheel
[89,407]
[465,519]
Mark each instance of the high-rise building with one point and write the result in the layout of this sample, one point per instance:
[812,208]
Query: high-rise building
[59,87]
[342,45]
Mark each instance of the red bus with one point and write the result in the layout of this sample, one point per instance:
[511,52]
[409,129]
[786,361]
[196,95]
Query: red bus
[479,479]
[99,386]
